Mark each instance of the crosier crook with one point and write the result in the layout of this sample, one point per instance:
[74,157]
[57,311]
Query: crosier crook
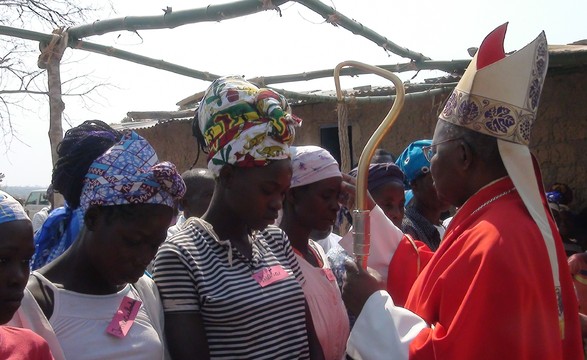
[361,225]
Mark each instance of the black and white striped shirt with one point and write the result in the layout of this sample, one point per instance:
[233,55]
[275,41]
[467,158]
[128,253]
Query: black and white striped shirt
[196,272]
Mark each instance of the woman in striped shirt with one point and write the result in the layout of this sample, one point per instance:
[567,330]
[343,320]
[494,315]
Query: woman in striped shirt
[230,283]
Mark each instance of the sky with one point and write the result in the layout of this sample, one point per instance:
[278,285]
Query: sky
[266,44]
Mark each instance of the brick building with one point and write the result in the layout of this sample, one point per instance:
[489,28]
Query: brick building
[559,136]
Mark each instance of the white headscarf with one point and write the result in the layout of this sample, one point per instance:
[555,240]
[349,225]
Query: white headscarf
[311,164]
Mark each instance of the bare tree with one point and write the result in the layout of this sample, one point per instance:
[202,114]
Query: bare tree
[21,76]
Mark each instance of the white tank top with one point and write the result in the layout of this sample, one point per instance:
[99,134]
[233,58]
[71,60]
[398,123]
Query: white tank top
[80,322]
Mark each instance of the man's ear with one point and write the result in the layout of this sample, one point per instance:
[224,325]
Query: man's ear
[466,155]
[91,218]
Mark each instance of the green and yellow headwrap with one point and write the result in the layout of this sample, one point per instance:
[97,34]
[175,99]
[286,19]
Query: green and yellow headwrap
[244,125]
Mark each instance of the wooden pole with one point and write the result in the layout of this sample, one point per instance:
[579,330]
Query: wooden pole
[336,18]
[50,59]
[172,19]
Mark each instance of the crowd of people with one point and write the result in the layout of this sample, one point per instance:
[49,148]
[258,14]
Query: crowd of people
[252,268]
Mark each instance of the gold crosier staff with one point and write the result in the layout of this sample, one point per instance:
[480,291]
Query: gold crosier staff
[361,225]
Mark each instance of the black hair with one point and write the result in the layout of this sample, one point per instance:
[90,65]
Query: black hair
[200,141]
[382,156]
[126,212]
[80,146]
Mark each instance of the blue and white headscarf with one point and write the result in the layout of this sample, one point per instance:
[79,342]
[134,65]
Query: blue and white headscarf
[128,173]
[10,209]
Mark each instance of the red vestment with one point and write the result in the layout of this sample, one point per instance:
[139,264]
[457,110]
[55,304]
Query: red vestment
[488,290]
[408,261]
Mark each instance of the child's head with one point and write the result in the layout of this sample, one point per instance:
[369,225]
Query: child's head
[16,250]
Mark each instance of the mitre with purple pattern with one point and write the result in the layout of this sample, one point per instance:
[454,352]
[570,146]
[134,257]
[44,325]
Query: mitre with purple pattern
[498,94]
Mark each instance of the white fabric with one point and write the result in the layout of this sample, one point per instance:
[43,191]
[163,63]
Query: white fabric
[40,217]
[381,316]
[311,164]
[99,345]
[506,80]
[174,229]
[385,238]
[441,229]
[329,242]
[518,163]
[329,314]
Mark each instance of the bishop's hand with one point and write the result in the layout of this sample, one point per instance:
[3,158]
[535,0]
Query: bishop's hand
[358,285]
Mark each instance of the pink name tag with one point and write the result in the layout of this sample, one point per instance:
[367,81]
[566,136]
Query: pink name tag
[124,317]
[329,274]
[269,275]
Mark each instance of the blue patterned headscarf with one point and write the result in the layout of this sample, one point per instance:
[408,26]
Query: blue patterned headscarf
[10,209]
[128,173]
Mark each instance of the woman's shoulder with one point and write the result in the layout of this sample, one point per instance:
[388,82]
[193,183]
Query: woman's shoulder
[18,332]
[273,235]
[19,343]
[21,340]
[191,234]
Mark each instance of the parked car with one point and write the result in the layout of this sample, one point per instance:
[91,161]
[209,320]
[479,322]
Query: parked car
[36,200]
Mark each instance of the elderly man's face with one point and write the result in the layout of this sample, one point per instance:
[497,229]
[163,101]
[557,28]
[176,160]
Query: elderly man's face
[443,166]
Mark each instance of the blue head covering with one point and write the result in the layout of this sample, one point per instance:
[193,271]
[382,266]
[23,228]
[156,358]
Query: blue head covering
[412,161]
[128,173]
[57,234]
[10,209]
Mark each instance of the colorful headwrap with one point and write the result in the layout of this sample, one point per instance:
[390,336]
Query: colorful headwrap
[128,173]
[412,161]
[243,125]
[381,174]
[10,209]
[311,164]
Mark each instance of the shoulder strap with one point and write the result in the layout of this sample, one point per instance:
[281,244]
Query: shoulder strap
[149,295]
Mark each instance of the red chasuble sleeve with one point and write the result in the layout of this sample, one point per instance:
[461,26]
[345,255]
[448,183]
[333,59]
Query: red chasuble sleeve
[410,257]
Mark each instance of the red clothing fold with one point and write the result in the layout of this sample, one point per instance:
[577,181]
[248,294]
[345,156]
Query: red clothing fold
[408,261]
[488,291]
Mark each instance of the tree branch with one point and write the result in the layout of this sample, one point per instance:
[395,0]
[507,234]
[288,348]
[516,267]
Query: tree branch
[23,91]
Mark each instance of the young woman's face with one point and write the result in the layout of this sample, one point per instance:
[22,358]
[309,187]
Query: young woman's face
[121,247]
[256,194]
[16,250]
[391,199]
[316,205]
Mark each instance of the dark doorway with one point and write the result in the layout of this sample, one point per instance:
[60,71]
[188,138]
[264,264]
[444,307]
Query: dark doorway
[329,141]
